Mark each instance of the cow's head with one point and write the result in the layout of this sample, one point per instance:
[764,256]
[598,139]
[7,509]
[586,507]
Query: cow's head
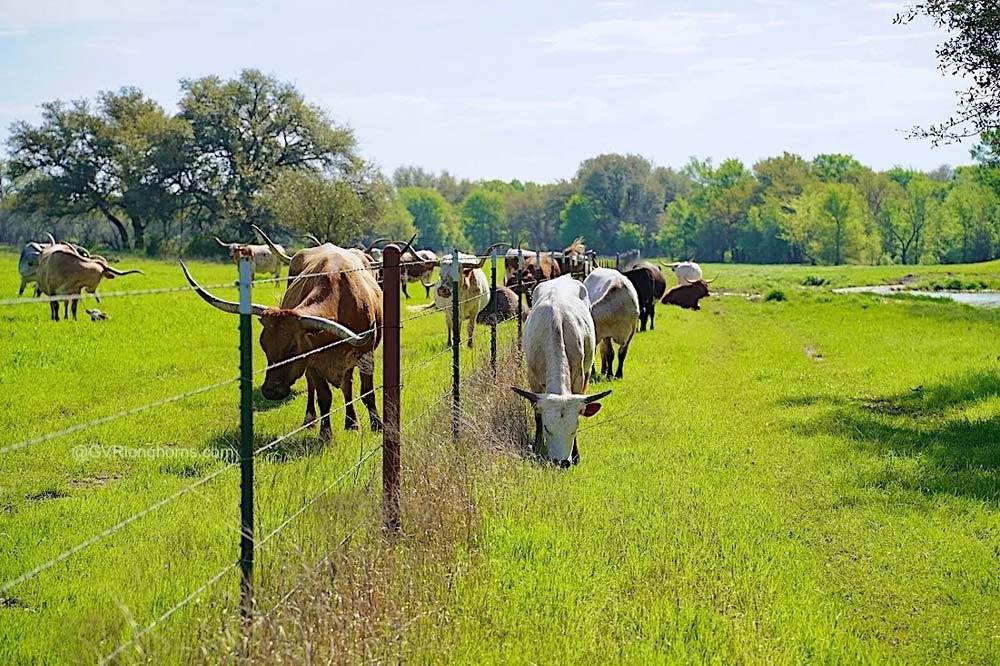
[560,419]
[285,335]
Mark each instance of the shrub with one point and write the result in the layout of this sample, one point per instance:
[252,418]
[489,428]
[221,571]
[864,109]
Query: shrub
[814,281]
[775,295]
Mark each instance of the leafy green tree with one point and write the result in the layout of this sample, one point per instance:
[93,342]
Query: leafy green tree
[433,217]
[630,236]
[126,160]
[970,222]
[246,132]
[723,200]
[835,167]
[909,215]
[678,234]
[483,219]
[341,211]
[576,220]
[621,189]
[827,226]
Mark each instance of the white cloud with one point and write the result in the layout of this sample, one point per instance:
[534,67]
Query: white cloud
[627,80]
[108,44]
[678,33]
[888,7]
[901,36]
[14,33]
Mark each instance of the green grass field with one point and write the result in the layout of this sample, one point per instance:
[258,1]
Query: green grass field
[806,481]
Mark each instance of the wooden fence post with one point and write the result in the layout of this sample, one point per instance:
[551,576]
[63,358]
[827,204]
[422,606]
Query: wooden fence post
[493,321]
[456,342]
[520,290]
[391,406]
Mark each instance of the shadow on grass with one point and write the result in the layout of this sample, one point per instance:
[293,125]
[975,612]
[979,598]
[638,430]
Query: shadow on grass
[262,404]
[941,452]
[300,445]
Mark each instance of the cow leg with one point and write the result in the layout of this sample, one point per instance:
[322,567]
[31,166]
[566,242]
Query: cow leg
[347,388]
[405,292]
[24,283]
[427,291]
[651,310]
[368,400]
[54,310]
[643,313]
[324,396]
[622,353]
[66,310]
[76,302]
[472,329]
[575,457]
[447,323]
[607,357]
[310,419]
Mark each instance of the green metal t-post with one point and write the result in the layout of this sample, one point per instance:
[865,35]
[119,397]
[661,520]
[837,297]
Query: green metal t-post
[456,339]
[246,439]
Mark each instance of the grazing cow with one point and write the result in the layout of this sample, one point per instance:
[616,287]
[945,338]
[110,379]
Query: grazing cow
[628,260]
[501,307]
[559,344]
[510,264]
[473,294]
[27,263]
[263,259]
[614,305]
[418,266]
[686,271]
[333,299]
[687,295]
[649,285]
[63,272]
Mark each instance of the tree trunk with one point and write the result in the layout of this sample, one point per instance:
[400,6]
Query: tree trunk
[138,233]
[117,224]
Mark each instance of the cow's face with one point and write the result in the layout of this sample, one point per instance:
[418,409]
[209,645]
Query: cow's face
[282,338]
[560,419]
[446,284]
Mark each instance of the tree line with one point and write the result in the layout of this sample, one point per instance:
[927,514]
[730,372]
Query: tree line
[120,170]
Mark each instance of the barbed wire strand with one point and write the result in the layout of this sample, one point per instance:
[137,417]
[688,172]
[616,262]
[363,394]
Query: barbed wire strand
[170,498]
[112,417]
[152,625]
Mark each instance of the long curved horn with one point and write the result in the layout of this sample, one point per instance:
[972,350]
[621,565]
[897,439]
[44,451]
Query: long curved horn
[312,239]
[371,246]
[341,331]
[487,250]
[285,259]
[597,396]
[219,241]
[225,306]
[532,397]
[709,281]
[52,240]
[671,266]
[409,246]
[118,273]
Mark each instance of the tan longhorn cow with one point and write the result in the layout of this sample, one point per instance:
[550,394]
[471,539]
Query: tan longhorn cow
[63,272]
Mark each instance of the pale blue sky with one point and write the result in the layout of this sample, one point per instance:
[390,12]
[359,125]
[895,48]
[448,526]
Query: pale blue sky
[522,89]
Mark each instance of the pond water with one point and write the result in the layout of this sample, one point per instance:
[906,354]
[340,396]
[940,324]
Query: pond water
[981,299]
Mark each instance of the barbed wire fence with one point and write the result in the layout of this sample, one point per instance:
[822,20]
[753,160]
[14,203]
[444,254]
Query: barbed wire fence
[391,386]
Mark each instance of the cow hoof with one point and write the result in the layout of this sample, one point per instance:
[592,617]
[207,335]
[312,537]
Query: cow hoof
[309,421]
[325,433]
[376,426]
[350,425]
[618,375]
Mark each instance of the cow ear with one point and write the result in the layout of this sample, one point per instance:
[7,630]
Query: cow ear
[590,409]
[467,271]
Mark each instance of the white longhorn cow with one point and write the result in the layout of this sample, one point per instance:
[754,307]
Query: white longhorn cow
[559,341]
[614,305]
[686,271]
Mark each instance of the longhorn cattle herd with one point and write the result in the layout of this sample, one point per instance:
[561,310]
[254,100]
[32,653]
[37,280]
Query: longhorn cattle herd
[334,295]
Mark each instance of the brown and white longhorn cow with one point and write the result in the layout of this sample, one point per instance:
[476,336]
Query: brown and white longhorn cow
[262,258]
[335,298]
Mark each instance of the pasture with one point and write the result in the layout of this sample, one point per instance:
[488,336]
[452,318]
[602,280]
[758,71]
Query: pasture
[812,480]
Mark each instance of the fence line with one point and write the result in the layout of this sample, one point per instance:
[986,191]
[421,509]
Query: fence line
[112,417]
[392,274]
